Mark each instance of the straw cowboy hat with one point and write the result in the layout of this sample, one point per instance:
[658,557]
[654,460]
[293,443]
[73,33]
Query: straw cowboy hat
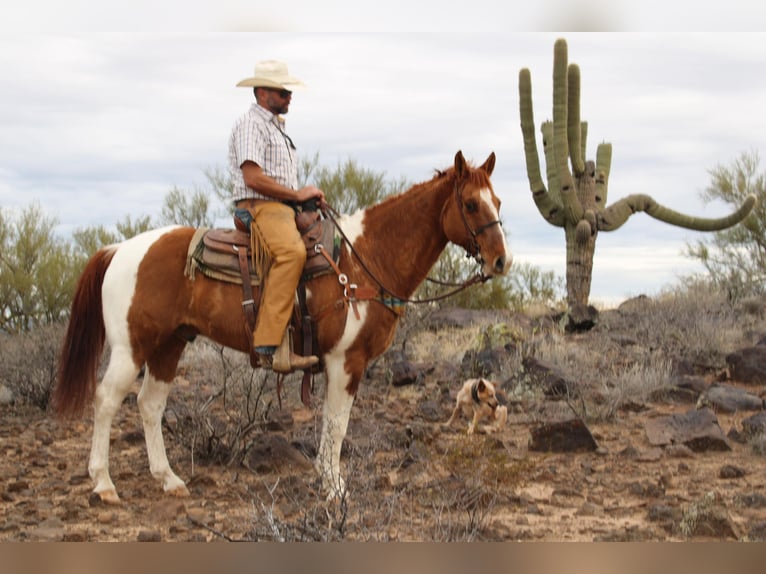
[272,74]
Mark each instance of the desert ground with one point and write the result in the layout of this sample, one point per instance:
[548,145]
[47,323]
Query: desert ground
[409,477]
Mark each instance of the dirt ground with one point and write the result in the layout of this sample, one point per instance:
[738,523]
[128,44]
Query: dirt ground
[409,479]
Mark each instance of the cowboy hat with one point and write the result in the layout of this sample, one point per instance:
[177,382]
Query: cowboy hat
[272,74]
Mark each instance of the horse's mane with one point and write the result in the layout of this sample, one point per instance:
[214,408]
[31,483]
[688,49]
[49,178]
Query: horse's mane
[474,175]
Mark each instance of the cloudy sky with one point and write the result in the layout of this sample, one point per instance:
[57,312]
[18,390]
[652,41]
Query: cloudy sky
[96,126]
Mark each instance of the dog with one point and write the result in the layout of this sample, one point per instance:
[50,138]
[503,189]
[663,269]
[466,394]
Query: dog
[478,398]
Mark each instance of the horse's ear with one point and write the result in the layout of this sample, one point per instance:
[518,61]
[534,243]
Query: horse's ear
[459,164]
[489,165]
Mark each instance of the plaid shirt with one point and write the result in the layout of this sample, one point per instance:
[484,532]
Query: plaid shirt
[259,136]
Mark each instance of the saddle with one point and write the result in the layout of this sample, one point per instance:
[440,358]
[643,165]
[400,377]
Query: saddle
[231,255]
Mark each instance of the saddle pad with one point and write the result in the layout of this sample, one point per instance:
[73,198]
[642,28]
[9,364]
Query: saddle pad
[219,262]
[211,253]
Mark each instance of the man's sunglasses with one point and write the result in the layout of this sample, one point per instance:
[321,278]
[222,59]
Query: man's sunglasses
[282,93]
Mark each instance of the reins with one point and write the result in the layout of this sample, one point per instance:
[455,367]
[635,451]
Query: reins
[479,277]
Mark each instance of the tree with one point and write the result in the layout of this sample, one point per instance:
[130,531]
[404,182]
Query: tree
[576,200]
[128,228]
[525,285]
[36,277]
[203,204]
[88,240]
[735,258]
[350,187]
[182,208]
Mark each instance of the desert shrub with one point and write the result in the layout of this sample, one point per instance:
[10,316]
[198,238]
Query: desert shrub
[29,361]
[634,351]
[218,417]
[698,322]
[735,258]
[525,285]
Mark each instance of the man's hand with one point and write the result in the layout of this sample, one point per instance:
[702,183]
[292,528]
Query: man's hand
[310,192]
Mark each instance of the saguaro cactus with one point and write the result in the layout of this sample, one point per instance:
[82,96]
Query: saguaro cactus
[576,199]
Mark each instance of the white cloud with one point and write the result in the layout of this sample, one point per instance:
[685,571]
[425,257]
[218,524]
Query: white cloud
[97,126]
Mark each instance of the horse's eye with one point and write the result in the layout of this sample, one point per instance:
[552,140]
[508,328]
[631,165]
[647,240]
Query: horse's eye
[471,206]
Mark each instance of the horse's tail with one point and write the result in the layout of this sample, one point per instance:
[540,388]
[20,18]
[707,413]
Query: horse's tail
[84,341]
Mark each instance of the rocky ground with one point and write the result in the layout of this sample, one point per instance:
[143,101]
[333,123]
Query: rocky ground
[680,464]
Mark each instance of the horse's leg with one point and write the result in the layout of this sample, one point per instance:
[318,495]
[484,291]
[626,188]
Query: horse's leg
[152,399]
[336,412]
[151,403]
[119,376]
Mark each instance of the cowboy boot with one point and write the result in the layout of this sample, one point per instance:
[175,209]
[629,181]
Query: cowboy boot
[284,360]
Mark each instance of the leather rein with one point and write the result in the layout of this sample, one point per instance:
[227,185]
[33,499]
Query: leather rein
[473,251]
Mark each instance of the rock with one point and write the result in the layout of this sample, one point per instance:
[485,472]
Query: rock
[697,429]
[17,486]
[200,516]
[486,362]
[166,509]
[638,304]
[752,500]
[406,373]
[133,437]
[649,455]
[589,509]
[757,532]
[748,365]
[273,453]
[75,537]
[430,411]
[731,471]
[149,536]
[754,425]
[679,451]
[549,378]
[581,318]
[6,396]
[682,389]
[708,518]
[566,436]
[666,516]
[729,399]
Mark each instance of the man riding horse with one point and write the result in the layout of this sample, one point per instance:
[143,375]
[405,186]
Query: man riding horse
[263,165]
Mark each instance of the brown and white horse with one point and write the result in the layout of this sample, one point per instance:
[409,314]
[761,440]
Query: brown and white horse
[136,296]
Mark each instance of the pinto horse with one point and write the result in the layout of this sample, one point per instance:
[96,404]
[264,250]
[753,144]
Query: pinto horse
[136,296]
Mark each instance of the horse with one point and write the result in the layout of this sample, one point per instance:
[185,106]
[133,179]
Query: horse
[136,296]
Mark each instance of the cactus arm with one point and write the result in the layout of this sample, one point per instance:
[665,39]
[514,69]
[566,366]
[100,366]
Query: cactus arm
[572,208]
[616,215]
[528,131]
[554,188]
[546,203]
[574,128]
[603,167]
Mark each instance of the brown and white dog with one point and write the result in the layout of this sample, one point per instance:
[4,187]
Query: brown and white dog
[478,399]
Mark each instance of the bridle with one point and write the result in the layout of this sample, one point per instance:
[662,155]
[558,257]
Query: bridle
[473,249]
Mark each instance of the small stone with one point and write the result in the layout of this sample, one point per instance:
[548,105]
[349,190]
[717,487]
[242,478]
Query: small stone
[149,536]
[731,471]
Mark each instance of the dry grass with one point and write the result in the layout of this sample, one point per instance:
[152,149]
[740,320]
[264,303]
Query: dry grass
[220,408]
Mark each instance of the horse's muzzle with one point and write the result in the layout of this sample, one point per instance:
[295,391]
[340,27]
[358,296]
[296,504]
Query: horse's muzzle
[501,265]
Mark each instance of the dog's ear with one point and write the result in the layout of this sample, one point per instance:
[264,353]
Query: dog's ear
[480,387]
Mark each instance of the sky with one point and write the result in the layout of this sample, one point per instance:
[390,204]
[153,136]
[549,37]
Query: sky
[99,125]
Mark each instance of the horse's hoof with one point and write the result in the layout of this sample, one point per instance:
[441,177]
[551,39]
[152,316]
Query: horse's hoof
[109,497]
[179,492]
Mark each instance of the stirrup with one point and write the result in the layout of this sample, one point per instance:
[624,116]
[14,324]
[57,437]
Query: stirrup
[286,361]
